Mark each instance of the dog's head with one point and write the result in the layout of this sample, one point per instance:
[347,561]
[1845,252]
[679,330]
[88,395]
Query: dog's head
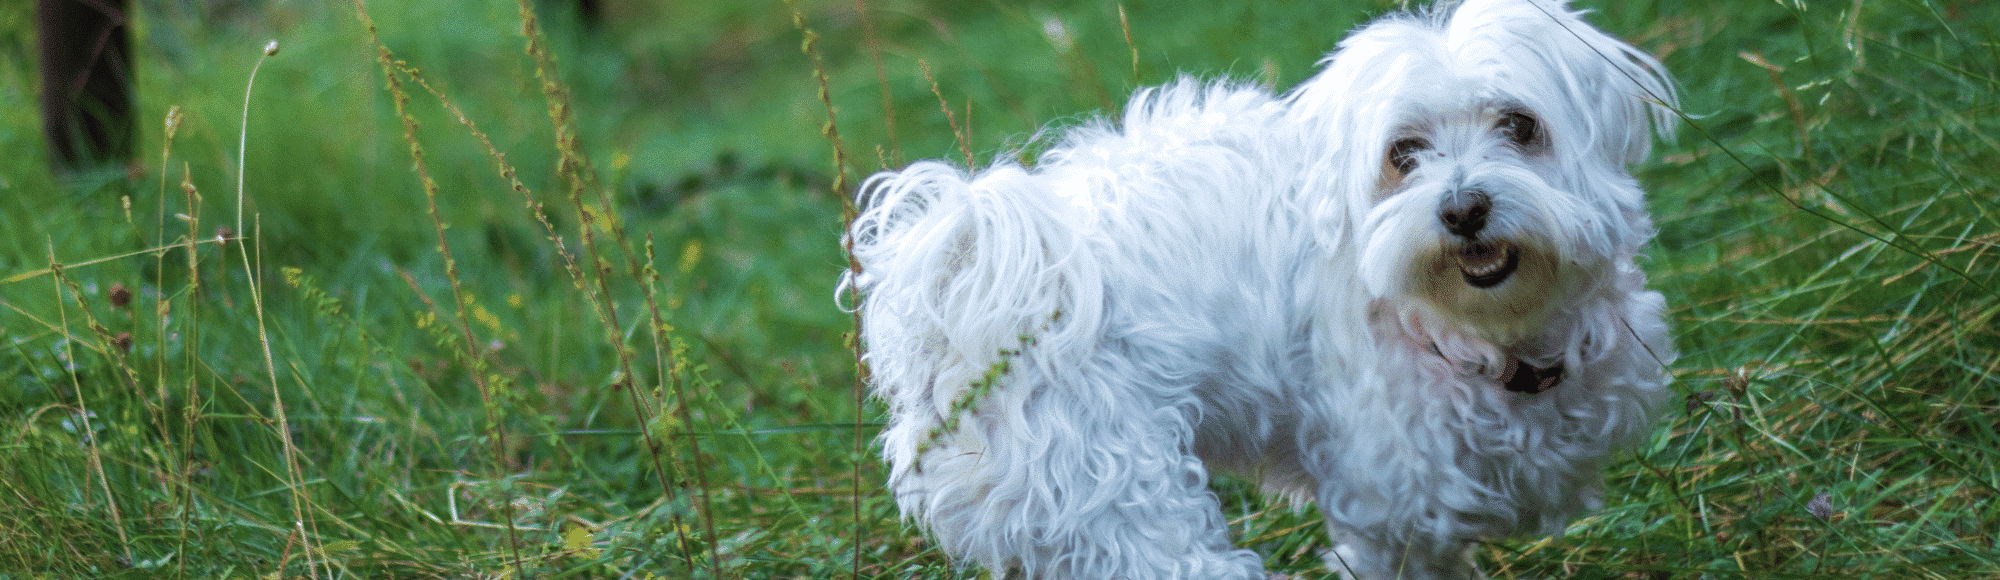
[1475,158]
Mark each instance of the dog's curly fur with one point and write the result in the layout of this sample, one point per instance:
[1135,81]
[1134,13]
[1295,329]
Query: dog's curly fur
[1404,290]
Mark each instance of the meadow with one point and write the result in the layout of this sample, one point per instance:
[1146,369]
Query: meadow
[486,290]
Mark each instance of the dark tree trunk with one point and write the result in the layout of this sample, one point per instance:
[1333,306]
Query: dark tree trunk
[86,68]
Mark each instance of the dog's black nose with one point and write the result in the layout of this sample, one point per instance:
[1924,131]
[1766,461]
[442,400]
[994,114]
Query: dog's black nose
[1464,212]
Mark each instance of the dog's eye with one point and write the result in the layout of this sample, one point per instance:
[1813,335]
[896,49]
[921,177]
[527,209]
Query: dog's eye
[1520,128]
[1403,154]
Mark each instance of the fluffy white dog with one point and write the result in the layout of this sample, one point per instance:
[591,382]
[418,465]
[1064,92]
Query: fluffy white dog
[1405,290]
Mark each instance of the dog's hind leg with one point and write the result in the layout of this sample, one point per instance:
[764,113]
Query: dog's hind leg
[1357,558]
[1089,478]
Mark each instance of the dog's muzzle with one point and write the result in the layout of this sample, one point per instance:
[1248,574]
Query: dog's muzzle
[1484,263]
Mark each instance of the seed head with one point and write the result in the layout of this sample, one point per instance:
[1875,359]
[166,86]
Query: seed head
[119,295]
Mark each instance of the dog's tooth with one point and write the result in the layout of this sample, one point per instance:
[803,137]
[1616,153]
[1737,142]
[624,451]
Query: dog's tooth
[1486,264]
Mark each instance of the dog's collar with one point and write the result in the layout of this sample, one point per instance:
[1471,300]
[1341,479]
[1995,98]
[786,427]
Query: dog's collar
[1521,377]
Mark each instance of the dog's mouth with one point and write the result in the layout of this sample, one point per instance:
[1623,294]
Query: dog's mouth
[1487,264]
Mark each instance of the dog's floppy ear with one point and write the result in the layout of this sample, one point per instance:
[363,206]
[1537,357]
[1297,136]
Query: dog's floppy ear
[1348,113]
[1632,86]
[1617,89]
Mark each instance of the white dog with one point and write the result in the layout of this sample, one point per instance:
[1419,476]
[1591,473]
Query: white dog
[1404,290]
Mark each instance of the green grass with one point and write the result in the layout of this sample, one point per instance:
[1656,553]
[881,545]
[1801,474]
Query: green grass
[612,350]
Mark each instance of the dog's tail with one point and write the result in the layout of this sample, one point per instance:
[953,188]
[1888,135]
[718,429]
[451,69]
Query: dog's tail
[959,273]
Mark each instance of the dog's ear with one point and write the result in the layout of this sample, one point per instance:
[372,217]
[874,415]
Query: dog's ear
[1632,87]
[1349,114]
[1618,90]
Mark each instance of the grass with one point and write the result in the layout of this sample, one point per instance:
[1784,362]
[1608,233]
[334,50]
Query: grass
[569,312]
